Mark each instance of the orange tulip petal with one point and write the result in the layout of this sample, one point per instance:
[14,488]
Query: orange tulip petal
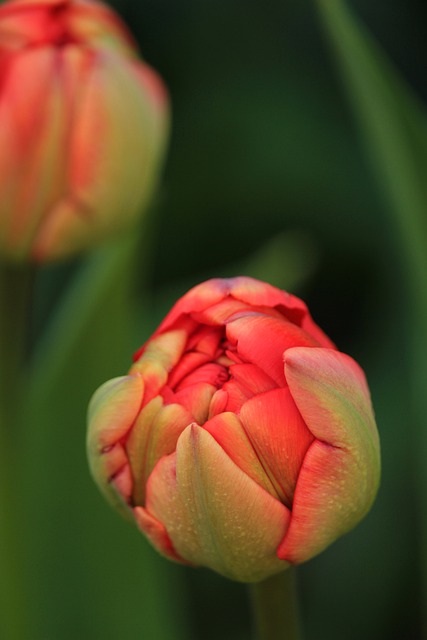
[196,399]
[251,377]
[279,436]
[250,332]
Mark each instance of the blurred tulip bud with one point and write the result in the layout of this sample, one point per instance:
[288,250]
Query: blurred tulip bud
[83,124]
[241,439]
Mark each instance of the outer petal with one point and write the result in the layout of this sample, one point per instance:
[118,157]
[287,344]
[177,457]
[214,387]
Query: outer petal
[116,144]
[214,514]
[260,293]
[97,24]
[247,290]
[112,411]
[32,123]
[219,313]
[153,435]
[340,475]
[34,22]
[158,359]
[197,299]
[156,533]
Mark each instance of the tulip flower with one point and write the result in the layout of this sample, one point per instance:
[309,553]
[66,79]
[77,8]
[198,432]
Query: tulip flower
[241,439]
[82,127]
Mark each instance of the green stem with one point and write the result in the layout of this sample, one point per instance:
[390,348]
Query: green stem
[275,608]
[15,287]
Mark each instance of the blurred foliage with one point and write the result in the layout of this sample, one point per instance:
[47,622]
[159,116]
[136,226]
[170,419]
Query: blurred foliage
[267,176]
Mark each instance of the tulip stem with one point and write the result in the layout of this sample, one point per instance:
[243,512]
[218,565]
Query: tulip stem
[14,305]
[275,608]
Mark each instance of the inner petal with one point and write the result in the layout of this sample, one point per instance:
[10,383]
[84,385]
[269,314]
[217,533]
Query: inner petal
[252,378]
[262,340]
[196,399]
[189,362]
[211,373]
[237,396]
[228,431]
[279,436]
[246,381]
[217,314]
[206,340]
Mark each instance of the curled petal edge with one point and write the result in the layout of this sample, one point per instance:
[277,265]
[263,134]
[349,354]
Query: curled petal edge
[112,412]
[339,477]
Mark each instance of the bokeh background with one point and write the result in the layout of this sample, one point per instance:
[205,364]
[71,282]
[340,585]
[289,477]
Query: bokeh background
[268,174]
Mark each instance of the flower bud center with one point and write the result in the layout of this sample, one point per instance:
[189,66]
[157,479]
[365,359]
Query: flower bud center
[209,379]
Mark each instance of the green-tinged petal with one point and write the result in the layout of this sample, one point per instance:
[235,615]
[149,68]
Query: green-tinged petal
[214,514]
[159,357]
[154,435]
[115,143]
[112,411]
[340,474]
[330,390]
[156,533]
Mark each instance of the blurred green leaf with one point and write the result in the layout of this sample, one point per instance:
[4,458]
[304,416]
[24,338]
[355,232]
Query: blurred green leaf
[394,126]
[93,576]
[97,301]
